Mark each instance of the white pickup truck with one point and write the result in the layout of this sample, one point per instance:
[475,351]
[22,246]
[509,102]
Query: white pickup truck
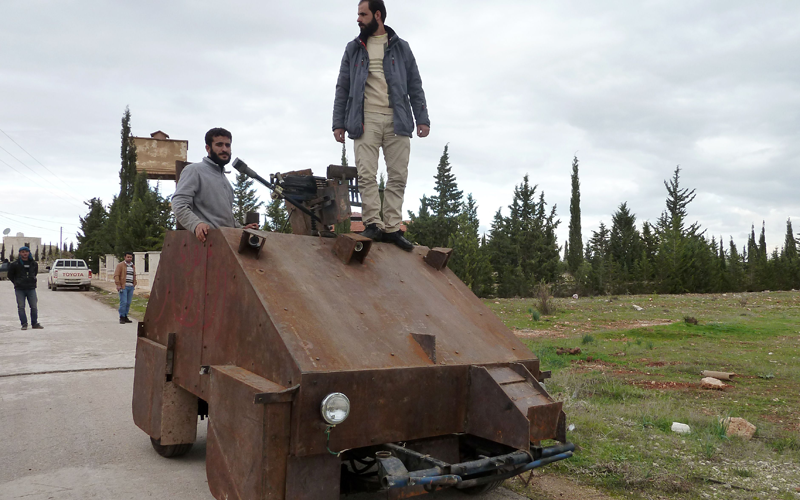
[69,273]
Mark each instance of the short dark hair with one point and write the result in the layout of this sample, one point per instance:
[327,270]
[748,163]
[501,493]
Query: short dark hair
[217,132]
[127,253]
[376,6]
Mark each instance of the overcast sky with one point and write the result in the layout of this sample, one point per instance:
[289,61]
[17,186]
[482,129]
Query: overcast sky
[634,88]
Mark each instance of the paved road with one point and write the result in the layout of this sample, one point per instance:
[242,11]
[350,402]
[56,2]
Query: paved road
[66,430]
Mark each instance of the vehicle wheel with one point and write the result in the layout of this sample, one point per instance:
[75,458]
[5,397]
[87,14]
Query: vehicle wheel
[49,287]
[481,489]
[170,450]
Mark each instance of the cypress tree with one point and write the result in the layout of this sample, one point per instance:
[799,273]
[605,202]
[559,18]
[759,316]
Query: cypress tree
[421,224]
[675,266]
[624,245]
[92,238]
[523,249]
[437,219]
[277,218]
[344,155]
[574,257]
[245,198]
[470,261]
[446,204]
[789,243]
[600,258]
[127,171]
[143,227]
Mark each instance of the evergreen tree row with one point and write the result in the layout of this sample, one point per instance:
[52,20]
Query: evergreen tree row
[670,255]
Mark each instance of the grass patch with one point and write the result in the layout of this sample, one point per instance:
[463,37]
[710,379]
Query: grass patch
[639,371]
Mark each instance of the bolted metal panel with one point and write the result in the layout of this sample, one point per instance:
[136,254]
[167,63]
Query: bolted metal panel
[238,329]
[491,413]
[177,302]
[386,406]
[247,443]
[149,378]
[313,478]
[331,316]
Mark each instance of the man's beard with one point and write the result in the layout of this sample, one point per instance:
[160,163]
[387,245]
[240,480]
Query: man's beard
[367,30]
[216,159]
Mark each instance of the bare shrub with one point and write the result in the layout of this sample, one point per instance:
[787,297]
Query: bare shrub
[544,299]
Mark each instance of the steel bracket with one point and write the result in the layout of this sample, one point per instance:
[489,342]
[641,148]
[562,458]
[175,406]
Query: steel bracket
[437,257]
[351,247]
[170,356]
[284,396]
[251,243]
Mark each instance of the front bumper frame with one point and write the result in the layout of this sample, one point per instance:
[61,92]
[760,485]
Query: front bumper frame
[394,474]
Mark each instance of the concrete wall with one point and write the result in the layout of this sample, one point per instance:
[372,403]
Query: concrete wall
[144,279]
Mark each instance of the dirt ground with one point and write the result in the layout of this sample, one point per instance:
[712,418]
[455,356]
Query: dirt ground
[569,331]
[543,486]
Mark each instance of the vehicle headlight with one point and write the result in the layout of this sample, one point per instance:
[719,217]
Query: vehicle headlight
[335,408]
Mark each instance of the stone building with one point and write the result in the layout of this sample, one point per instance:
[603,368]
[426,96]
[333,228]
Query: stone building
[13,244]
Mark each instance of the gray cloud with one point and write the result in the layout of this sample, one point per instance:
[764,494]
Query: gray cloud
[635,88]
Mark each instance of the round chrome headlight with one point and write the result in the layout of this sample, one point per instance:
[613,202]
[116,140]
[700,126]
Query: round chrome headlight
[335,408]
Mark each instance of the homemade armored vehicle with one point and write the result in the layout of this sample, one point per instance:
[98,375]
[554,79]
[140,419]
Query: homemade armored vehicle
[331,366]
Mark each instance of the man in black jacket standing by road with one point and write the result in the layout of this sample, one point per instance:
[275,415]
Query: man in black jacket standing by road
[23,274]
[377,89]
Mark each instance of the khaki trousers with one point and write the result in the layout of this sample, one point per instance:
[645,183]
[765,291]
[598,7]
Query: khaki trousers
[379,133]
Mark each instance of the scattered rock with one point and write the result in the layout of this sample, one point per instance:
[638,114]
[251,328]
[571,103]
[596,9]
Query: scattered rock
[737,426]
[571,427]
[564,350]
[680,428]
[575,296]
[712,383]
[718,375]
[638,308]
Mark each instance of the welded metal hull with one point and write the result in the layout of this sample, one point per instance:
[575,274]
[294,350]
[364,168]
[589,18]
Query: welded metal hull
[263,333]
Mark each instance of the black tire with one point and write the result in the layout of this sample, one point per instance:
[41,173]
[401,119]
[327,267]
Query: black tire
[170,450]
[481,489]
[484,488]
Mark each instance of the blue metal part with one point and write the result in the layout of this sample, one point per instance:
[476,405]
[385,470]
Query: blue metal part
[549,455]
[403,481]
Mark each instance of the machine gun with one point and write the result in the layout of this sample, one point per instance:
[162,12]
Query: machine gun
[324,201]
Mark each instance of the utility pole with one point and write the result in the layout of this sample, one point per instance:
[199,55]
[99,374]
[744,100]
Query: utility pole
[60,238]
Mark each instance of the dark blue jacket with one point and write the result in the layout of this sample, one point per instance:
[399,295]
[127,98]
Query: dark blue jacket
[23,274]
[402,78]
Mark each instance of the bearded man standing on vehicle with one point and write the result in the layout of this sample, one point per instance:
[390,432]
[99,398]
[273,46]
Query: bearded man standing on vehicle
[377,89]
[23,274]
[203,199]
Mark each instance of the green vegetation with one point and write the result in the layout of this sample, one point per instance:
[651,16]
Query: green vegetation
[138,303]
[639,371]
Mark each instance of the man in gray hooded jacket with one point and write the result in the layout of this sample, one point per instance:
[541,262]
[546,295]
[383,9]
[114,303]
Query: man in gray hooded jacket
[203,199]
[377,89]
